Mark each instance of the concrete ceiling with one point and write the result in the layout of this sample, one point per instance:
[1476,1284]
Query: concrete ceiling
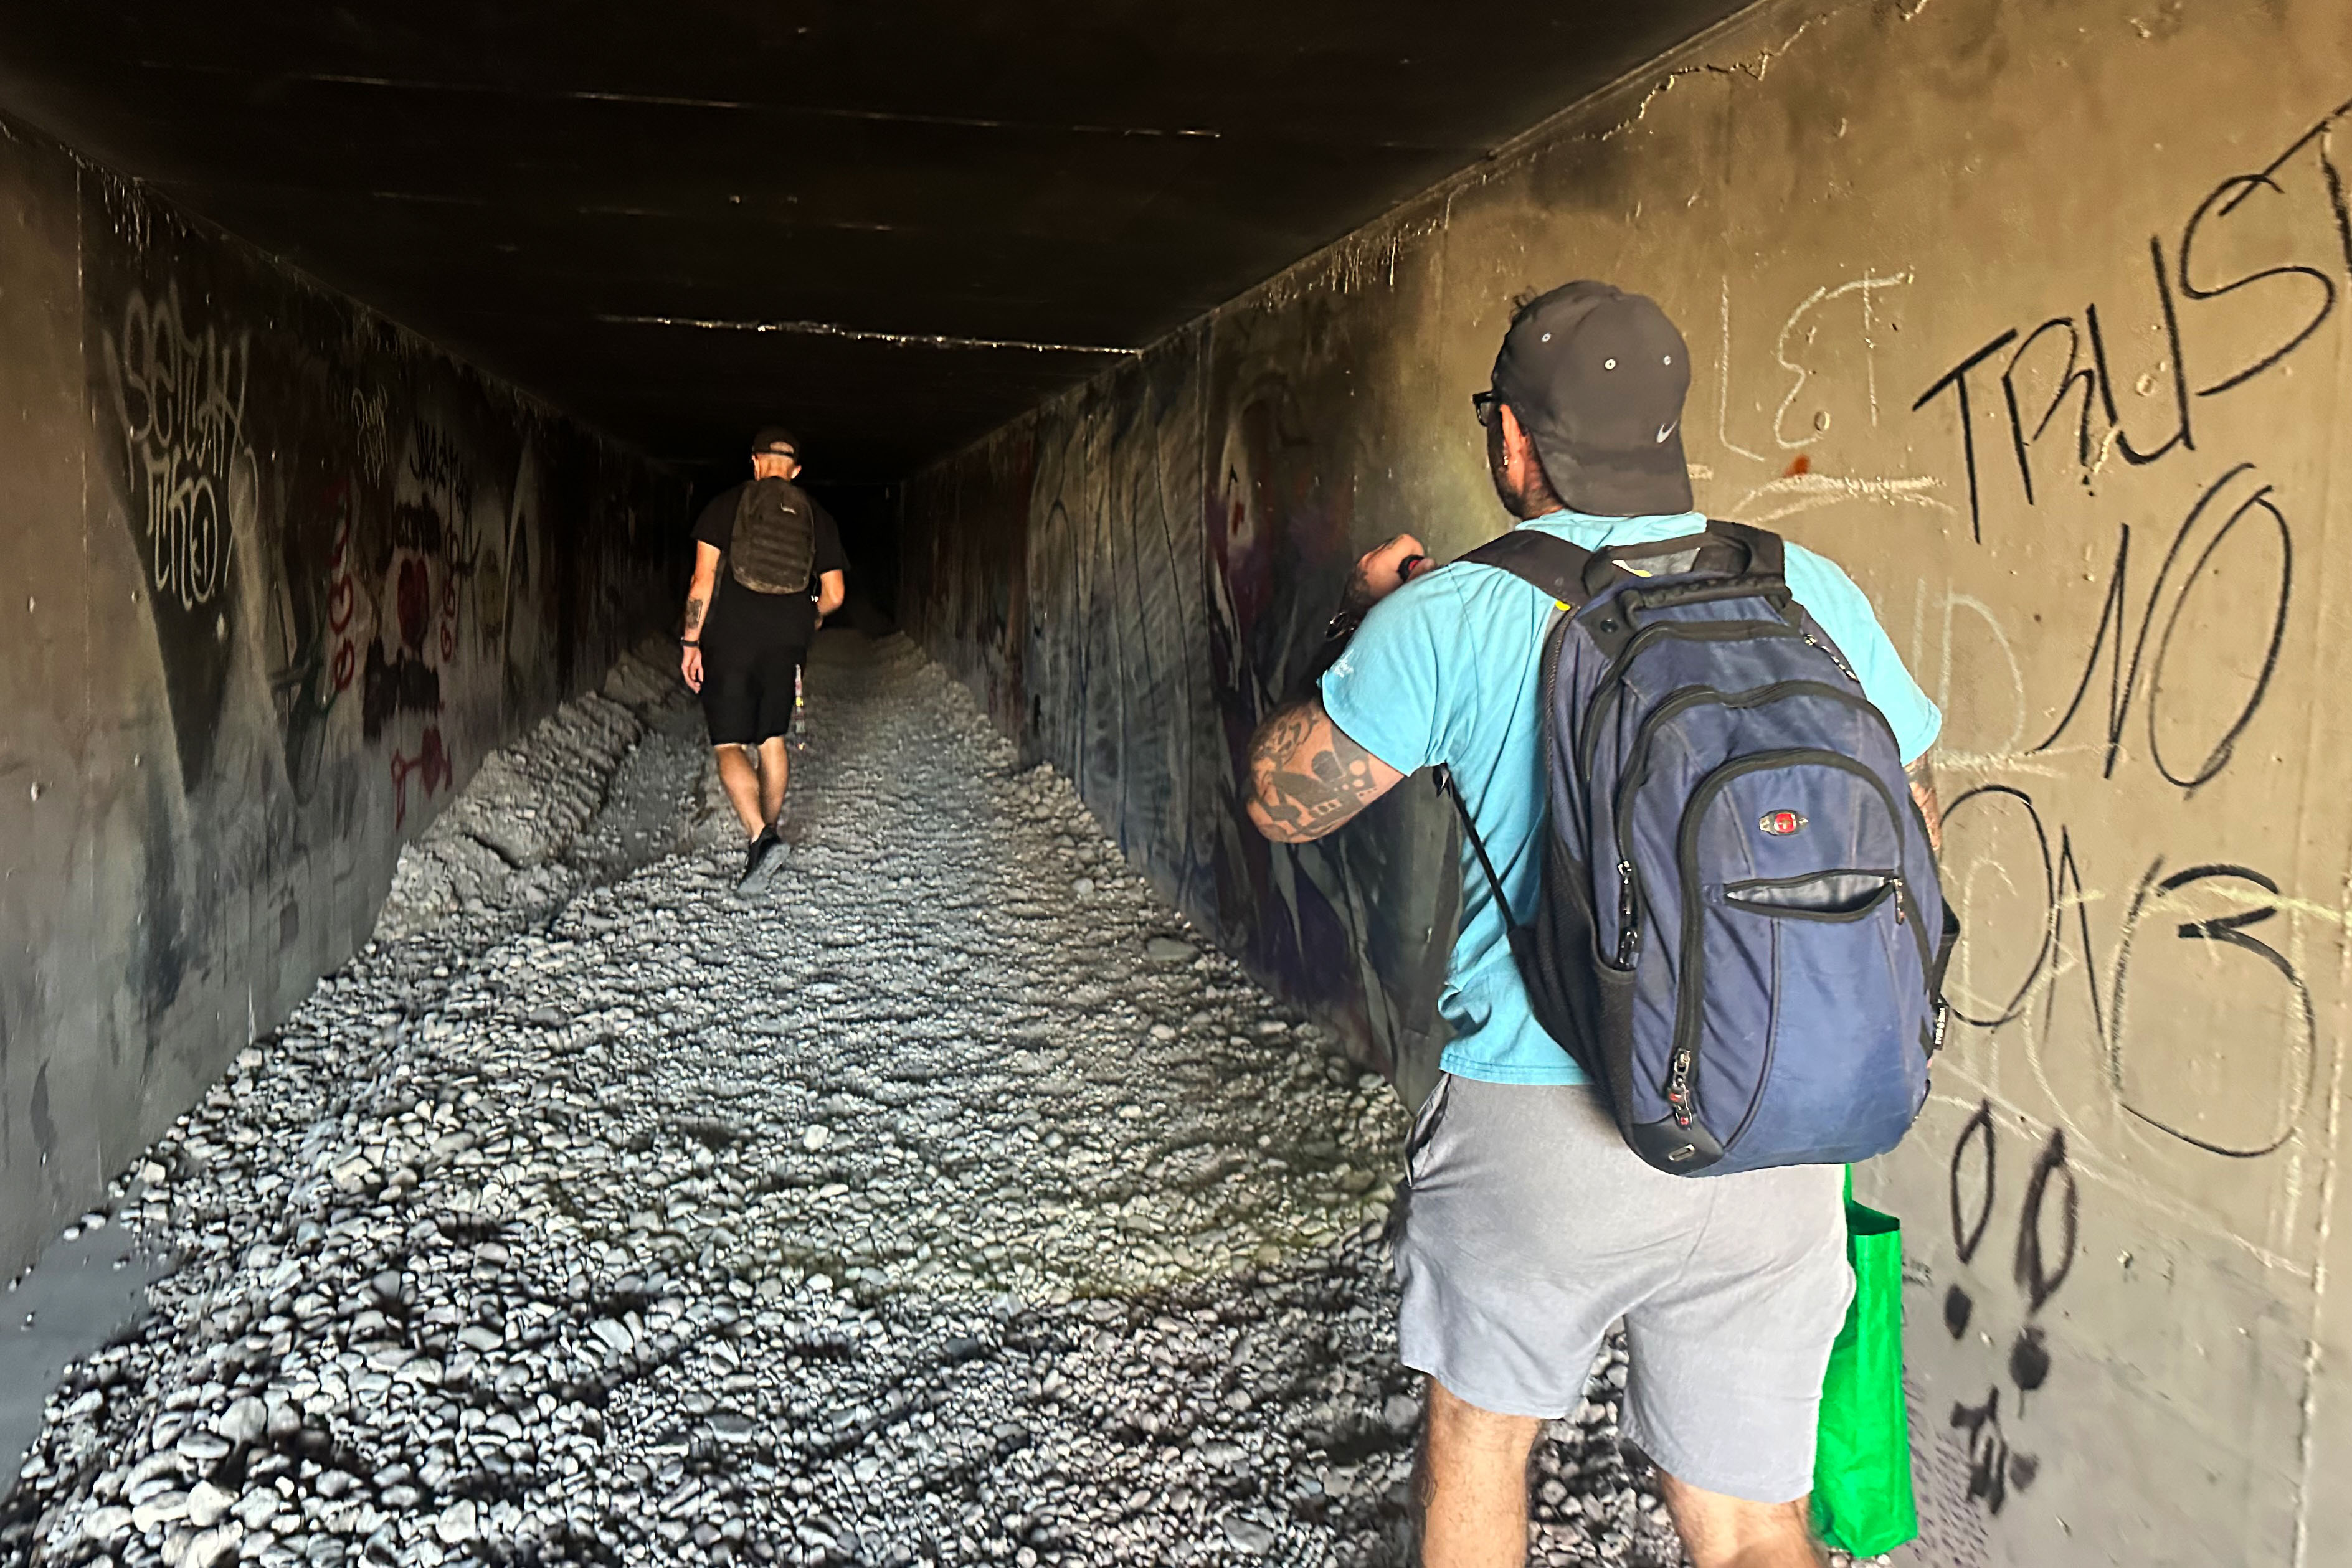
[552,190]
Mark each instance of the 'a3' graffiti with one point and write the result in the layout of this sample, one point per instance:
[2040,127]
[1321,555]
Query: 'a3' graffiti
[2216,905]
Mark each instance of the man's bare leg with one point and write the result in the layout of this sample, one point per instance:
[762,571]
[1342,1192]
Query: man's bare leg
[737,777]
[1470,1486]
[775,775]
[1722,1531]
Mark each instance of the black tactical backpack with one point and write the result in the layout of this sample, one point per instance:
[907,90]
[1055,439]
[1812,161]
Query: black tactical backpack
[773,547]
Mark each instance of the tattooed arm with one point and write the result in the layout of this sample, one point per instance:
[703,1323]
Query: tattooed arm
[1921,772]
[699,595]
[1306,777]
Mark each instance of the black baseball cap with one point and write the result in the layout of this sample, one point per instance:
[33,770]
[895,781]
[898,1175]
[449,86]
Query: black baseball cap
[774,438]
[1597,377]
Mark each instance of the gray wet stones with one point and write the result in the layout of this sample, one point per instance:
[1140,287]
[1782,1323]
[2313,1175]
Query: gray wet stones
[1249,1535]
[244,1423]
[924,1211]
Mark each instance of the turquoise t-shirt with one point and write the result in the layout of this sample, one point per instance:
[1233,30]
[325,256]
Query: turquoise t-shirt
[1444,670]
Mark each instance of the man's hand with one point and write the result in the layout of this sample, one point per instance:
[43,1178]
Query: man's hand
[1306,777]
[1384,570]
[700,594]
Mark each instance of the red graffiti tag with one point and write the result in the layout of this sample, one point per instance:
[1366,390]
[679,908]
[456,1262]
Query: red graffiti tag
[449,617]
[432,765]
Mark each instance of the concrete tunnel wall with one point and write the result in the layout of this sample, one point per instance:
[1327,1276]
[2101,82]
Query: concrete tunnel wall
[280,575]
[2035,317]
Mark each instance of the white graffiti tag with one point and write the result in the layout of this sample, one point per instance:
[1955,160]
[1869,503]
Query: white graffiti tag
[195,485]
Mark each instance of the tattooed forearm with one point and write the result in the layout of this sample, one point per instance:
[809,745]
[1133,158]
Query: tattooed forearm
[1922,775]
[694,610]
[1306,777]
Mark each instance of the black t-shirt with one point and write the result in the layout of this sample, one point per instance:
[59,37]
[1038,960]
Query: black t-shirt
[743,619]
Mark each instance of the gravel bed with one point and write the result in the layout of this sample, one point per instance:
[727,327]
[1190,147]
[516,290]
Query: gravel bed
[950,1203]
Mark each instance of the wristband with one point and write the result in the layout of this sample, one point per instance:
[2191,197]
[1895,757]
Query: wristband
[689,643]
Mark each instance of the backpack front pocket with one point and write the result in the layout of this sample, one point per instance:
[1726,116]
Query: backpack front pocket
[1817,952]
[1832,1076]
[1792,910]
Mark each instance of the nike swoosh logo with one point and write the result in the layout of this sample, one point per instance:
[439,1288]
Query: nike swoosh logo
[1666,430]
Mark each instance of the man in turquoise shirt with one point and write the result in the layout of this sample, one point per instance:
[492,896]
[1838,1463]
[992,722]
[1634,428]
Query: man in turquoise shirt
[1529,1227]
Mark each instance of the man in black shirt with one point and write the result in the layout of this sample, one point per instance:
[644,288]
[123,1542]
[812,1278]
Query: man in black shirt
[743,652]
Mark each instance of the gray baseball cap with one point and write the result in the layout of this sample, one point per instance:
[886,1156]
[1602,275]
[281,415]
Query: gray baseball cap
[1597,376]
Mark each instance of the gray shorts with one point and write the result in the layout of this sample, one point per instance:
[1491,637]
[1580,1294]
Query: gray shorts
[1530,1228]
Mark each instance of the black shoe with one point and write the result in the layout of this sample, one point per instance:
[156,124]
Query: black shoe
[761,865]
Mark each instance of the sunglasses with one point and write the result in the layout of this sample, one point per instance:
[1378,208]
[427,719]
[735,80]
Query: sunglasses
[1484,404]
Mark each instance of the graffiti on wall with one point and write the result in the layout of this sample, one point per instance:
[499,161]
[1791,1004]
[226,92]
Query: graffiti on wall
[178,389]
[1281,525]
[2300,190]
[1130,581]
[339,538]
[179,394]
[2176,663]
[221,506]
[2044,1236]
[2180,625]
[429,578]
[2097,449]
[2016,1249]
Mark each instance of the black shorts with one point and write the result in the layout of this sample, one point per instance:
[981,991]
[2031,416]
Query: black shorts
[747,695]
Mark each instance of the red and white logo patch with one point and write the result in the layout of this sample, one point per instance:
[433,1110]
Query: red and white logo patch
[1782,824]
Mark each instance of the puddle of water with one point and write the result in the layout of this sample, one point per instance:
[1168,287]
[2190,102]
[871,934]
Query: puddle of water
[76,1299]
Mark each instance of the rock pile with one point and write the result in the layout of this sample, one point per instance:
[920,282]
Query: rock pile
[954,1203]
[598,789]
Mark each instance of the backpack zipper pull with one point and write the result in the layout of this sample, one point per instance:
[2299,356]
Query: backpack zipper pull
[1897,884]
[1678,1087]
[1629,935]
[1843,668]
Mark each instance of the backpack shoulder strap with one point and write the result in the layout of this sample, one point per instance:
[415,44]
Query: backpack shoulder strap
[1551,565]
[1556,568]
[1767,557]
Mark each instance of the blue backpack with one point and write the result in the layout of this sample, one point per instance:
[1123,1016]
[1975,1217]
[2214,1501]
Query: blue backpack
[1741,936]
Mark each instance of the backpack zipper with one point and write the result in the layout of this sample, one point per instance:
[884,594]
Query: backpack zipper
[1636,764]
[1555,638]
[1919,928]
[1834,657]
[1610,687]
[1678,1094]
[1629,934]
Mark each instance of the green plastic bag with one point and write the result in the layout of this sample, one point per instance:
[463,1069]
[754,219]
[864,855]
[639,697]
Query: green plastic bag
[1862,1469]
